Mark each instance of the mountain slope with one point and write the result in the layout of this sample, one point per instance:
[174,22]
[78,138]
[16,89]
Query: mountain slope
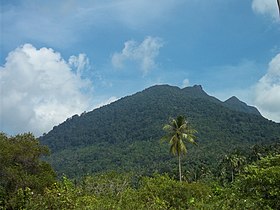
[125,134]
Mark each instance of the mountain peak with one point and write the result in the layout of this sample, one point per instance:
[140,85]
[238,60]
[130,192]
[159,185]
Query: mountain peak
[195,90]
[198,87]
[233,99]
[195,87]
[235,104]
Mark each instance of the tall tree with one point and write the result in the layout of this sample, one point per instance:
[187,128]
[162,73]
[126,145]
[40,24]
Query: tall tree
[232,163]
[236,162]
[177,132]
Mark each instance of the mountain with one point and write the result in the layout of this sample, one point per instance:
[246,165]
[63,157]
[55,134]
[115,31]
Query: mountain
[235,104]
[124,135]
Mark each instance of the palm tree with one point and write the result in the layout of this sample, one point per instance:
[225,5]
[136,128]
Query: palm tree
[234,162]
[178,131]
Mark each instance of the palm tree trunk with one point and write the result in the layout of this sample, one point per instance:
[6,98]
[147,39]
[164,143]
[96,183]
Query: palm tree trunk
[180,170]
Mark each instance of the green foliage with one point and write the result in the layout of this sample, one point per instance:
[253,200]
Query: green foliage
[261,182]
[61,195]
[231,165]
[115,191]
[146,158]
[20,199]
[257,187]
[178,130]
[21,169]
[171,194]
[109,184]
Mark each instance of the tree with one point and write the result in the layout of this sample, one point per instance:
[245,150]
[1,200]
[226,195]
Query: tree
[260,182]
[21,166]
[178,131]
[234,162]
[256,187]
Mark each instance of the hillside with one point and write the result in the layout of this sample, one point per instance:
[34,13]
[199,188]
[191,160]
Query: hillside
[124,135]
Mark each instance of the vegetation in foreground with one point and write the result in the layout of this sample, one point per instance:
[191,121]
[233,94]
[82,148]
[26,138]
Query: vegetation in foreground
[27,182]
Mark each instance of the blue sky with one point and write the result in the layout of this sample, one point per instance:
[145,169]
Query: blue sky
[59,58]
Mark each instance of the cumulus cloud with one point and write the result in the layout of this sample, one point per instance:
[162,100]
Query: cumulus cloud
[186,83]
[80,63]
[144,53]
[266,7]
[39,89]
[267,91]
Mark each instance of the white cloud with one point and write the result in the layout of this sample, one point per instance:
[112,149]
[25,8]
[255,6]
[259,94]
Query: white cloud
[186,83]
[39,89]
[267,91]
[266,7]
[80,63]
[143,53]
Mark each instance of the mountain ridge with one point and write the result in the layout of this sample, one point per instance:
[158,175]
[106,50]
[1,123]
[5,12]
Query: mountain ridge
[197,91]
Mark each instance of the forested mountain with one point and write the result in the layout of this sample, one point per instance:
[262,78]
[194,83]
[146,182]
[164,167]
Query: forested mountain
[125,134]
